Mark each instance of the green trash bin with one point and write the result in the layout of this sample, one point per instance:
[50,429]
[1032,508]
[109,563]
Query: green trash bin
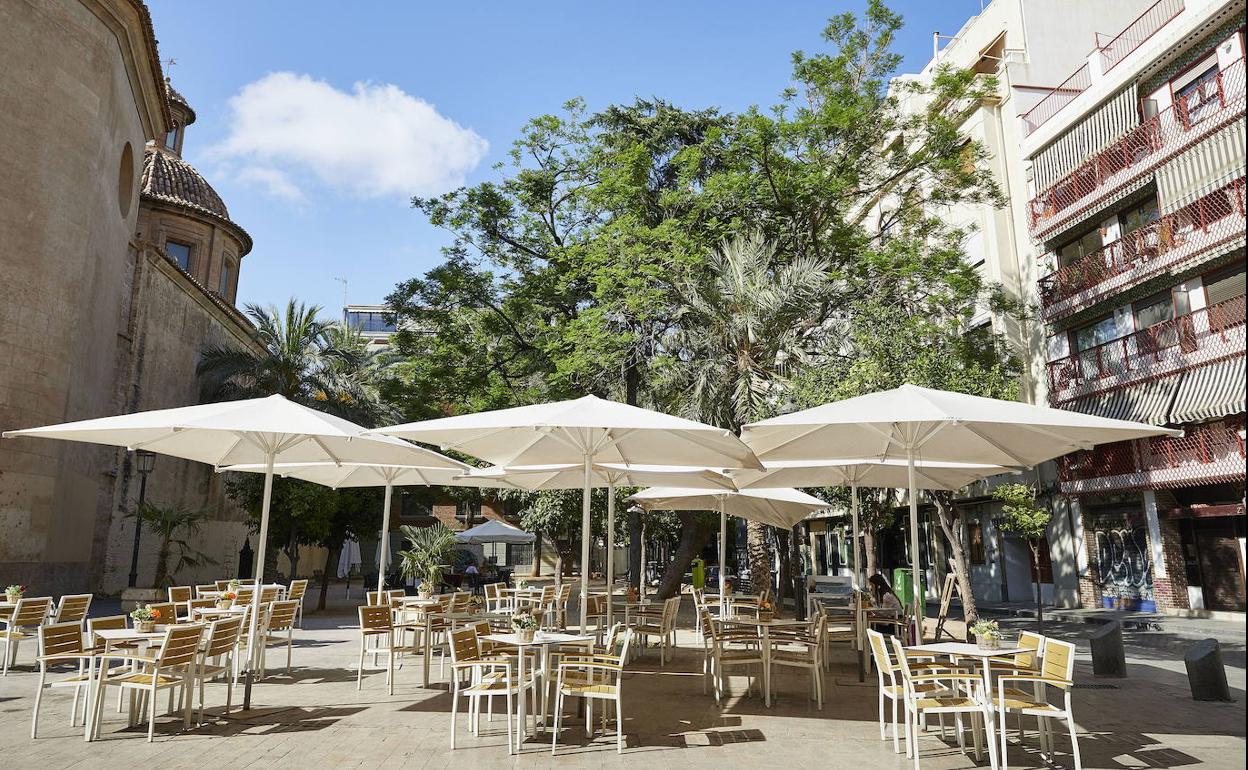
[903,585]
[699,574]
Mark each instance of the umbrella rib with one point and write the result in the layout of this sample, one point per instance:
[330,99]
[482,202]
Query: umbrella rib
[324,448]
[887,435]
[699,441]
[238,439]
[1058,437]
[793,439]
[1018,460]
[144,444]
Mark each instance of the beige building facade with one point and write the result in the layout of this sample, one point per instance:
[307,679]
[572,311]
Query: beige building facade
[97,316]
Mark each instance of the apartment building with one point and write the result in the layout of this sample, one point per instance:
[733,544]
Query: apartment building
[1134,213]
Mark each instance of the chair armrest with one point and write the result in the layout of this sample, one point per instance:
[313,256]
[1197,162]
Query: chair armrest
[1055,681]
[951,677]
[65,656]
[482,663]
[129,658]
[587,666]
[590,658]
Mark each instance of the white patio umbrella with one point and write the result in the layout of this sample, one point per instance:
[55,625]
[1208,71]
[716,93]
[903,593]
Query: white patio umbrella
[921,424]
[609,475]
[259,430]
[495,531]
[582,431]
[778,507]
[449,472]
[855,473]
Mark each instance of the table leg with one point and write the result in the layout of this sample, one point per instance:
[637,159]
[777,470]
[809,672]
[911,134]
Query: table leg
[766,667]
[428,649]
[520,710]
[860,634]
[89,708]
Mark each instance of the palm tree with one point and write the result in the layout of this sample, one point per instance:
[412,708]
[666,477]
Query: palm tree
[429,556]
[174,527]
[745,323]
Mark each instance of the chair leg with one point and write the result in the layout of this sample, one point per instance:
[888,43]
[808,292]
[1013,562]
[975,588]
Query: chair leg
[1001,719]
[151,717]
[619,725]
[511,749]
[1074,740]
[34,722]
[359,671]
[896,730]
[554,735]
[454,707]
[990,737]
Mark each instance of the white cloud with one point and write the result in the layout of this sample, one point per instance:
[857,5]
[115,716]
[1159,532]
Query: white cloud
[374,141]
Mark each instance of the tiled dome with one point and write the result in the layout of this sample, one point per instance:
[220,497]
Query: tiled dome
[169,179]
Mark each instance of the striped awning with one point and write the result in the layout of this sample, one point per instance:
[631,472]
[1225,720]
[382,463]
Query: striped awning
[1200,170]
[1107,124]
[1211,391]
[1147,402]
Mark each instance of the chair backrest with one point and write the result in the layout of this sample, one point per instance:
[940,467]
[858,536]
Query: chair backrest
[199,604]
[106,623]
[671,607]
[269,594]
[374,618]
[460,600]
[223,585]
[180,646]
[596,606]
[245,594]
[1059,660]
[707,623]
[465,645]
[167,612]
[374,598]
[223,636]
[282,615]
[30,611]
[73,608]
[549,594]
[1034,644]
[60,639]
[493,591]
[297,589]
[879,653]
[565,593]
[622,642]
[200,590]
[179,594]
[396,593]
[899,651]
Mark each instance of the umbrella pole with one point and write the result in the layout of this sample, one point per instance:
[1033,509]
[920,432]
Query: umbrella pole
[610,552]
[255,594]
[585,541]
[723,558]
[641,581]
[384,542]
[858,568]
[914,549]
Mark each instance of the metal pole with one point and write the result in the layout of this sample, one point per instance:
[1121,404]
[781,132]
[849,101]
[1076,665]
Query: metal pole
[859,570]
[723,559]
[384,542]
[138,529]
[585,540]
[914,548]
[259,575]
[610,552]
[641,582]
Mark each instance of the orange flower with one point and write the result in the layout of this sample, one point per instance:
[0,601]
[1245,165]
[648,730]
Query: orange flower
[155,614]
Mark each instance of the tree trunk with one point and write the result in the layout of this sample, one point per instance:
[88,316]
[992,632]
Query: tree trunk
[331,561]
[634,548]
[695,533]
[784,584]
[795,573]
[949,521]
[868,547]
[758,548]
[1035,582]
[268,570]
[537,554]
[161,578]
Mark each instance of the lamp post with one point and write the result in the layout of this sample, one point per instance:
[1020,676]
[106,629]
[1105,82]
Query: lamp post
[145,461]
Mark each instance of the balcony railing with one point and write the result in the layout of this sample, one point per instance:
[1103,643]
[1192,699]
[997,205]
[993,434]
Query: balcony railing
[1192,117]
[1206,223]
[1208,453]
[1111,53]
[1200,337]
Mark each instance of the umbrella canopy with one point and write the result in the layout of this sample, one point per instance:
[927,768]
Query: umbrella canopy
[922,424]
[258,430]
[779,507]
[495,531]
[583,431]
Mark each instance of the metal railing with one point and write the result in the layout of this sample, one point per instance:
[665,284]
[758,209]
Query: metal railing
[1206,453]
[1138,31]
[1207,222]
[1197,114]
[1058,98]
[1199,337]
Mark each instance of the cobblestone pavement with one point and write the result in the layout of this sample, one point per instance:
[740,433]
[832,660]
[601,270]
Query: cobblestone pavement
[315,717]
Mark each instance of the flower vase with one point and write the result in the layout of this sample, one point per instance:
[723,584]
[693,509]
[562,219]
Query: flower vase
[989,644]
[526,634]
[224,604]
[145,626]
[13,598]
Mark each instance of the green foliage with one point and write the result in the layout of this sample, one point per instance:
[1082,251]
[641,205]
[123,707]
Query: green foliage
[1022,515]
[307,513]
[428,556]
[174,527]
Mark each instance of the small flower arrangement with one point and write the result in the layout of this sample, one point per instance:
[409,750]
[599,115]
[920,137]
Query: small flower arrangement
[14,592]
[522,584]
[525,624]
[631,595]
[766,610]
[233,587]
[145,618]
[226,599]
[987,634]
[476,602]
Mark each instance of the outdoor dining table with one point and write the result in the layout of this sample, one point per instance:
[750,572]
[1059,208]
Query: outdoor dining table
[764,627]
[209,613]
[542,640]
[281,590]
[112,636]
[965,650]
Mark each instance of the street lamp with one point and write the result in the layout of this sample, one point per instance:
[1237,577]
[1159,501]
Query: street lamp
[144,462]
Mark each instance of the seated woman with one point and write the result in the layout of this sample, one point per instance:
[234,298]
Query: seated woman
[882,593]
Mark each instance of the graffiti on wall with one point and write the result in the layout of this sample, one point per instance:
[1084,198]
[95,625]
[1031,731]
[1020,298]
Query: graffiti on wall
[1123,562]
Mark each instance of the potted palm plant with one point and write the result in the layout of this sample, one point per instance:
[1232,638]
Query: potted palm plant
[428,557]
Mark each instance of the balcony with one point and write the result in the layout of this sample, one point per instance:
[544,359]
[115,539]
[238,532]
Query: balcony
[1202,337]
[1190,119]
[1166,246]
[1210,453]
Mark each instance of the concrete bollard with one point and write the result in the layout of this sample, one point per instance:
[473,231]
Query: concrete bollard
[1205,672]
[1108,656]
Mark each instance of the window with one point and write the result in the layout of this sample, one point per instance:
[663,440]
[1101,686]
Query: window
[1080,247]
[1141,215]
[171,138]
[226,284]
[975,542]
[1097,333]
[1196,91]
[369,321]
[468,511]
[1157,309]
[179,253]
[1224,285]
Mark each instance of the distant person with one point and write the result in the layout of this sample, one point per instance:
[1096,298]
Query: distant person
[883,594]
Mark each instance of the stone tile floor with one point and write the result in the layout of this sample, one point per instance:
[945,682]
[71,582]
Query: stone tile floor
[315,717]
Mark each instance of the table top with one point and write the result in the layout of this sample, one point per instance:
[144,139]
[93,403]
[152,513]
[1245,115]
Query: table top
[209,611]
[965,650]
[126,634]
[746,620]
[541,638]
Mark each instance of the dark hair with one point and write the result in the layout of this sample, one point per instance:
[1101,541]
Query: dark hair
[880,587]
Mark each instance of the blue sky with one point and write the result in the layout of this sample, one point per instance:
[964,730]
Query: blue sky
[320,170]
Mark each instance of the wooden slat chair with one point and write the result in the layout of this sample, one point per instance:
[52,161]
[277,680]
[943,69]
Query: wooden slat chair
[295,593]
[72,608]
[725,649]
[660,624]
[279,630]
[805,650]
[223,585]
[960,694]
[375,598]
[595,615]
[190,606]
[168,612]
[180,594]
[30,613]
[495,600]
[269,594]
[594,677]
[207,588]
[377,623]
[460,601]
[171,668]
[218,658]
[891,686]
[60,644]
[561,606]
[245,594]
[476,674]
[1057,670]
